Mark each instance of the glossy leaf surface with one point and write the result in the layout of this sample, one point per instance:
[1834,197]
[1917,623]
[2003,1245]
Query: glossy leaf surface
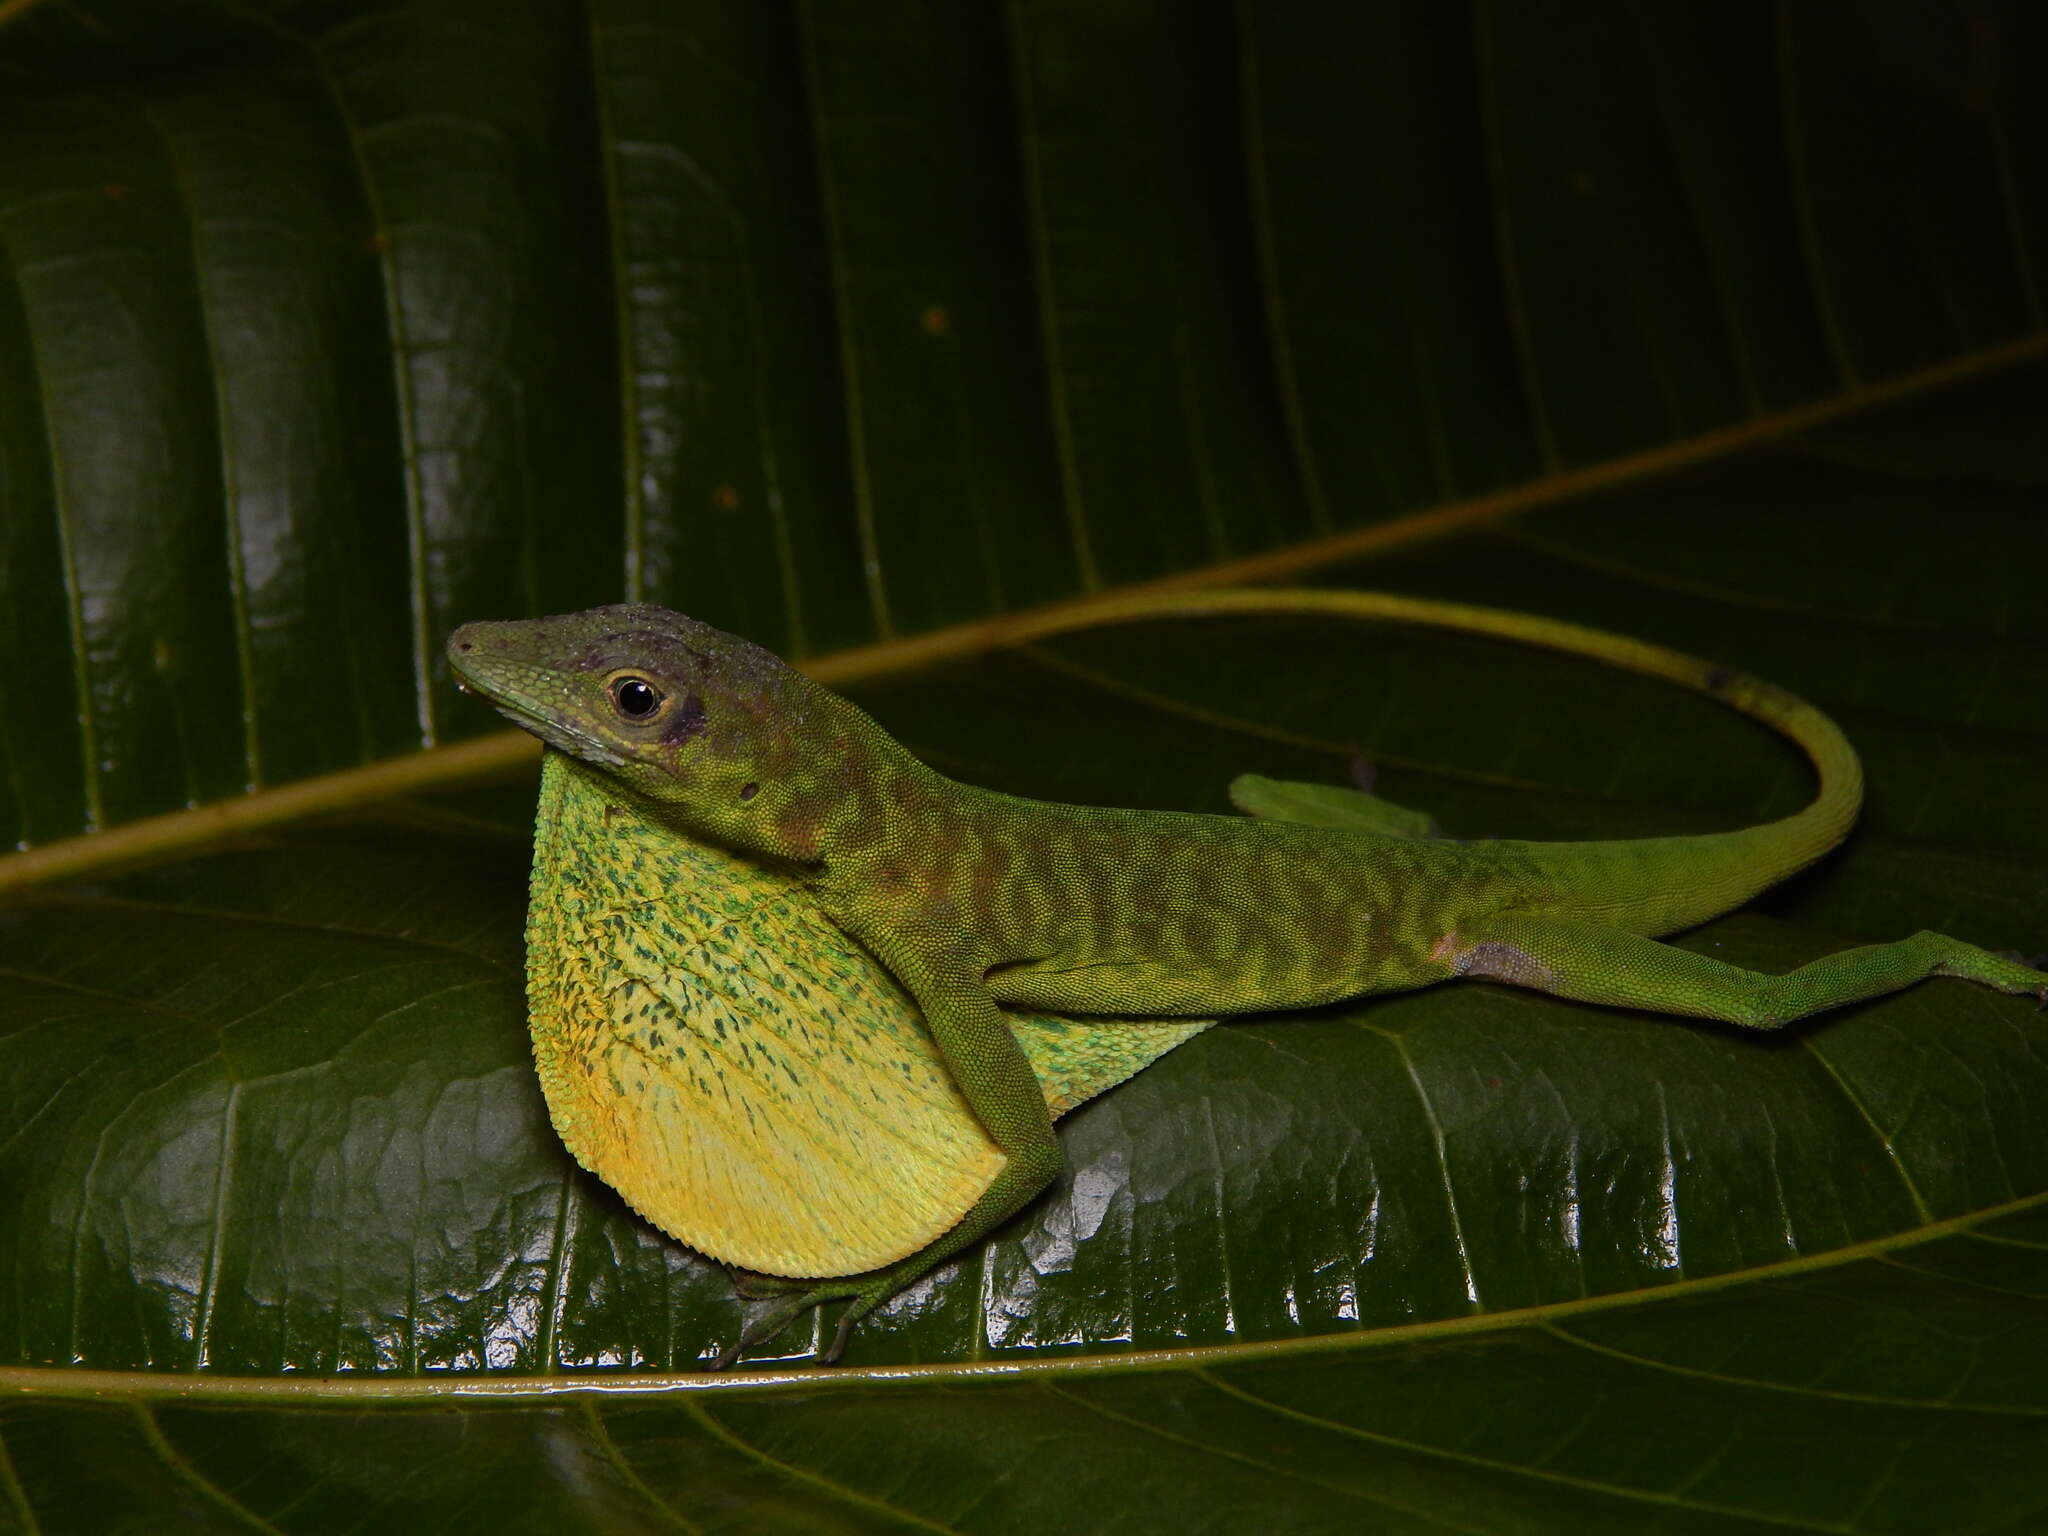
[323,325]
[1543,1264]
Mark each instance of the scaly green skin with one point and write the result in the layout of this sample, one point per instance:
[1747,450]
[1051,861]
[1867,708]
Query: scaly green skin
[973,899]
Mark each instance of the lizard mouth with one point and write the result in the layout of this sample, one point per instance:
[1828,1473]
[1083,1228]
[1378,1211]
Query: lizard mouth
[498,681]
[560,735]
[551,728]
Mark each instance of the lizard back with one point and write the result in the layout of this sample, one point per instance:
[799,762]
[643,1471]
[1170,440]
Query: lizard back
[1100,910]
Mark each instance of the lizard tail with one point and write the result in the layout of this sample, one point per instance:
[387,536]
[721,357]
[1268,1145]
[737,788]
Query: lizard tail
[1647,885]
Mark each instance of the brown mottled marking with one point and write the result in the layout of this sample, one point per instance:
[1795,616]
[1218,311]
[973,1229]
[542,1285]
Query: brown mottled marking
[691,721]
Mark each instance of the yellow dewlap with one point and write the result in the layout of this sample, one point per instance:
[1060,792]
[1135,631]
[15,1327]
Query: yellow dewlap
[745,1075]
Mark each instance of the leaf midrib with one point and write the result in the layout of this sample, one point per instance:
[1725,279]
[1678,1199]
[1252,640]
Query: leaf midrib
[64,1381]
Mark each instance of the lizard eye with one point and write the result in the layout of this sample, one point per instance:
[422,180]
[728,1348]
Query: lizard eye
[635,697]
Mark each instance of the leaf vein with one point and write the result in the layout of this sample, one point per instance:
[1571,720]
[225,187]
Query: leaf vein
[192,1477]
[1855,1101]
[1436,1135]
[1270,1469]
[1513,1469]
[725,1434]
[277,920]
[223,1180]
[1949,1277]
[613,1454]
[17,1495]
[1788,1388]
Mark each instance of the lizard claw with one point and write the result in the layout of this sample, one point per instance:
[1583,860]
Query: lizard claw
[2032,963]
[757,1332]
[760,1331]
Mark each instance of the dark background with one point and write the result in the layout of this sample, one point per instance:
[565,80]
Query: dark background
[326,326]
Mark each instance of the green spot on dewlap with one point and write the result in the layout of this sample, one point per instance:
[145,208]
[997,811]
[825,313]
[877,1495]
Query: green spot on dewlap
[752,1081]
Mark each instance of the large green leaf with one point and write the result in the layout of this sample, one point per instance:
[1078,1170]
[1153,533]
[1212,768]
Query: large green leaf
[1466,1259]
[323,325]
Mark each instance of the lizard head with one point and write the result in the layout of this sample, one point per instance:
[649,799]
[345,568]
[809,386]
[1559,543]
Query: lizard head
[722,735]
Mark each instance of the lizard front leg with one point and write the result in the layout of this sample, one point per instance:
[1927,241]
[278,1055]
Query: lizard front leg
[990,1069]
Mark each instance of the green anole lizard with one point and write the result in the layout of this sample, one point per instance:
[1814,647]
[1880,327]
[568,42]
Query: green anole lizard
[973,899]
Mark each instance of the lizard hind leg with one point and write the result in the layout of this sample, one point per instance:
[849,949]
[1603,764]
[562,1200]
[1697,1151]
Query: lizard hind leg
[794,1298]
[1327,805]
[1593,963]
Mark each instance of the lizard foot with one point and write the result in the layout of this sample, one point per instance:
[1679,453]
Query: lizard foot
[2032,963]
[866,1292]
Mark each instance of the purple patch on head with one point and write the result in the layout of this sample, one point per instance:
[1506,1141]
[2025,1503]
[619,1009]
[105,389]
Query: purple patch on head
[689,722]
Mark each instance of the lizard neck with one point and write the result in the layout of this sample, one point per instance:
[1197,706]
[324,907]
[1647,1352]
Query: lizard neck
[869,796]
[828,785]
